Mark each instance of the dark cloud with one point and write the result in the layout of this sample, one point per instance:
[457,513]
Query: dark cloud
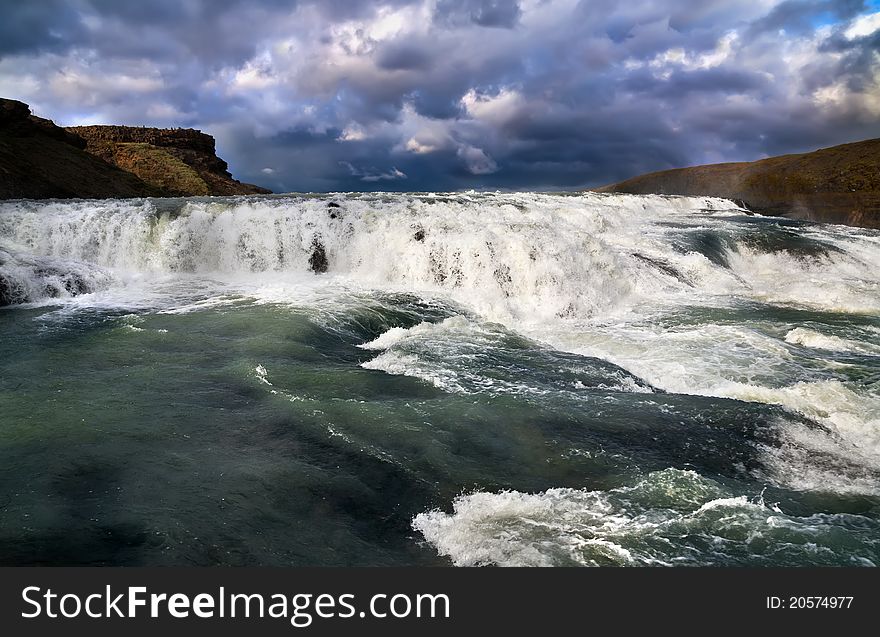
[796,16]
[681,83]
[38,26]
[485,13]
[404,56]
[438,102]
[411,94]
[857,61]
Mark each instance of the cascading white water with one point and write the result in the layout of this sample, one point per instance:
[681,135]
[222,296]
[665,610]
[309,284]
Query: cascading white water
[26,277]
[526,257]
[686,295]
[588,273]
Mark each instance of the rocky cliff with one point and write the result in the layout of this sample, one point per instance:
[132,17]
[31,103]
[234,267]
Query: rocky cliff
[40,160]
[835,185]
[179,161]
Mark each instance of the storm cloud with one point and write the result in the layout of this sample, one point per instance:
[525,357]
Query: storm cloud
[451,94]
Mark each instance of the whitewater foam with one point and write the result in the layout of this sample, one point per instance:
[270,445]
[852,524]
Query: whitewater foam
[603,276]
[811,338]
[27,278]
[512,257]
[454,355]
[671,517]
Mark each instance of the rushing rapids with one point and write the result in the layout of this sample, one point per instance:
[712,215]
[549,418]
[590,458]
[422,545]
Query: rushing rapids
[523,257]
[545,378]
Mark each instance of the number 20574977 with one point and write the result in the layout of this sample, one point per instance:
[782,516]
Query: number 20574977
[807,602]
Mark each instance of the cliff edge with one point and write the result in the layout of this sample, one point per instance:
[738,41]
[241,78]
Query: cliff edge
[39,160]
[840,184]
[180,161]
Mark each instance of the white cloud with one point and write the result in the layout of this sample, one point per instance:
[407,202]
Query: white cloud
[863,25]
[352,133]
[372,175]
[662,63]
[418,134]
[476,160]
[90,86]
[495,109]
[164,112]
[415,146]
[253,76]
[430,139]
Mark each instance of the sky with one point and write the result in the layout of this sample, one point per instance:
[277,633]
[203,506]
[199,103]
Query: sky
[414,95]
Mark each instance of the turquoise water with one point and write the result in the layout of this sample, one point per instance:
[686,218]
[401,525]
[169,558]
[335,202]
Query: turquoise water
[474,380]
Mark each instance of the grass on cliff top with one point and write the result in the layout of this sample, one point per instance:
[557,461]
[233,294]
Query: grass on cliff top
[154,165]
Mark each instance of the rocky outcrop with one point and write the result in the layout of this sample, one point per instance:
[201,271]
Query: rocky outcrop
[179,161]
[835,185]
[40,160]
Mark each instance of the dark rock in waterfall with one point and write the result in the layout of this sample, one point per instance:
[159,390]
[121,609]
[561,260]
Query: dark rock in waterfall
[26,278]
[318,260]
[7,292]
[664,266]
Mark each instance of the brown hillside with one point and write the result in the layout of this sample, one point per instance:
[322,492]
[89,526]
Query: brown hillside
[181,161]
[836,185]
[40,160]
